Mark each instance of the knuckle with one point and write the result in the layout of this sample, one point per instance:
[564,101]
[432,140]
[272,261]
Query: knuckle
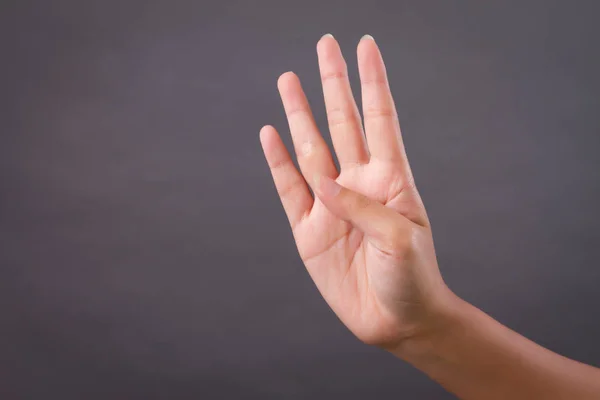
[361,203]
[288,190]
[375,81]
[296,111]
[278,164]
[345,122]
[398,240]
[380,112]
[333,75]
[338,116]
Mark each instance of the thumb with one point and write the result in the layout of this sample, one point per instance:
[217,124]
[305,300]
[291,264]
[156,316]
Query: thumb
[386,229]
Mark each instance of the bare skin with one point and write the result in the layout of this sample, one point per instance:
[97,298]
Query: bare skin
[366,241]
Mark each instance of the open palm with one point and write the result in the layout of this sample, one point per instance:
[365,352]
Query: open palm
[365,238]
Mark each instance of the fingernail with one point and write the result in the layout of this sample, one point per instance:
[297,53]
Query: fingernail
[367,37]
[327,35]
[327,186]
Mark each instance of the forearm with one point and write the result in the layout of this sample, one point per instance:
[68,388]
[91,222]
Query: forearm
[476,357]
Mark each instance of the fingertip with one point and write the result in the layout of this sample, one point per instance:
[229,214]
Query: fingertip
[265,134]
[263,130]
[285,78]
[365,43]
[367,37]
[329,51]
[328,37]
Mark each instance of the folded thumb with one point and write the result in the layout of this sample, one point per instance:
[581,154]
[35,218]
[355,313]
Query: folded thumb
[386,228]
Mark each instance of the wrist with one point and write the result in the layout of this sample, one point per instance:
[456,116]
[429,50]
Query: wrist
[443,319]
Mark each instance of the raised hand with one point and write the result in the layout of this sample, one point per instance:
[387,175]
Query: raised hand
[365,237]
[366,242]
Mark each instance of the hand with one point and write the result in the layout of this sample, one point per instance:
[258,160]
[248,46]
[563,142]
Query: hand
[365,238]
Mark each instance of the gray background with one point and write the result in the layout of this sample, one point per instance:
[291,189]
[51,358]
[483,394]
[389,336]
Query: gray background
[144,253]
